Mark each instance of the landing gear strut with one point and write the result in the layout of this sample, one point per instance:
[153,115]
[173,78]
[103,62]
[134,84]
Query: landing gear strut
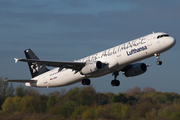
[157,56]
[115,82]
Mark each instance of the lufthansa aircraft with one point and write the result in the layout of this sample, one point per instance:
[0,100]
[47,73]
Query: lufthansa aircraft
[113,60]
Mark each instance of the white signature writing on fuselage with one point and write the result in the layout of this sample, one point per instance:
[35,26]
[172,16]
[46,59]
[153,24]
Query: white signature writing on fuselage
[114,50]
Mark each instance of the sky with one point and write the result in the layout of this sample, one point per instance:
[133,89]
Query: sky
[67,30]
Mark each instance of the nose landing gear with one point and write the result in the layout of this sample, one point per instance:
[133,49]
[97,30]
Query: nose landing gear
[157,56]
[115,82]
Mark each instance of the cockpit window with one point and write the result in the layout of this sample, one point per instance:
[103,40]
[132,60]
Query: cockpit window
[164,35]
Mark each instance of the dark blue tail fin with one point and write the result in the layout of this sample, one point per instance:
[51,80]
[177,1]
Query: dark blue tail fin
[35,69]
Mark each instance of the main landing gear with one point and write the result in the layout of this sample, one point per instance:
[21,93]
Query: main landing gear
[115,82]
[86,81]
[157,56]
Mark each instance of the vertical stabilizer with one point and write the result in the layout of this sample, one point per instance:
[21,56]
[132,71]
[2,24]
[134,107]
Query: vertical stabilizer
[35,68]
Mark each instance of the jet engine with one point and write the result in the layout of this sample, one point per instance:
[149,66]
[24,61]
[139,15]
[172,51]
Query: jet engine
[91,67]
[136,69]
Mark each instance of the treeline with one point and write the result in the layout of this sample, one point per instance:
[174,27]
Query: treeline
[87,104]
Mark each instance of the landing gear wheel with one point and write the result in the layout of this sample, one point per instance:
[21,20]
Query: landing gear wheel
[159,62]
[83,82]
[86,82]
[157,56]
[115,82]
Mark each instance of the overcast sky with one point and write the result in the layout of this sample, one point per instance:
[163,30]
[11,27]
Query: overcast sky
[67,30]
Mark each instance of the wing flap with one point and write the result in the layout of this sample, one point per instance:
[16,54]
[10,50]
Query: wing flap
[72,65]
[22,81]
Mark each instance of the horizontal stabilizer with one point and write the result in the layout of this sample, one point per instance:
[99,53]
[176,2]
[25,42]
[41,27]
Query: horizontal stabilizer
[16,60]
[22,81]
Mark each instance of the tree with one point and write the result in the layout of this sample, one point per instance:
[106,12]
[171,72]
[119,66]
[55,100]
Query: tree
[73,94]
[103,112]
[27,104]
[131,100]
[63,110]
[32,92]
[6,90]
[88,114]
[133,91]
[148,90]
[52,101]
[58,93]
[87,95]
[12,104]
[20,91]
[101,98]
[77,113]
[119,98]
[116,110]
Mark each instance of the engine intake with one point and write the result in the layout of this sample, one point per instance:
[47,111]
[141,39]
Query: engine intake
[91,67]
[136,69]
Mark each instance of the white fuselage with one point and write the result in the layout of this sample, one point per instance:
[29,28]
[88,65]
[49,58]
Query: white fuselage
[116,58]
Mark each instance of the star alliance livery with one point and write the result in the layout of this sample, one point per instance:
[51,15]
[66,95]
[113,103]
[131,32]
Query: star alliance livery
[113,60]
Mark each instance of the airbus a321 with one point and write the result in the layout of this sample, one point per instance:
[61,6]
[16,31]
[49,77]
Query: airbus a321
[123,58]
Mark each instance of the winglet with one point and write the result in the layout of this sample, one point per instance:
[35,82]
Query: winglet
[16,60]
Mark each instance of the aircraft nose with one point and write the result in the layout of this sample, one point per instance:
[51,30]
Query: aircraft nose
[172,41]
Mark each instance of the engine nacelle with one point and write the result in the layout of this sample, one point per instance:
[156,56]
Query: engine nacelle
[91,67]
[136,69]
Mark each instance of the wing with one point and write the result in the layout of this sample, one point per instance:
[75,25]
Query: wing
[71,65]
[22,81]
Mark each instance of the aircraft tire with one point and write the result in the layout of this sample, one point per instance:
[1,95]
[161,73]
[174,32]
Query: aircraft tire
[88,82]
[84,82]
[117,82]
[159,62]
[113,83]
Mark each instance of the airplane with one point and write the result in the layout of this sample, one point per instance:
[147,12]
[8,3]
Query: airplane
[123,58]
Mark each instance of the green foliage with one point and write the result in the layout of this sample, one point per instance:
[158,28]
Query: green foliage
[20,91]
[32,92]
[73,94]
[116,110]
[102,99]
[27,104]
[142,107]
[33,104]
[175,115]
[63,110]
[77,114]
[6,90]
[11,104]
[85,103]
[87,96]
[88,114]
[125,112]
[52,101]
[131,100]
[119,98]
[102,112]
[39,103]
